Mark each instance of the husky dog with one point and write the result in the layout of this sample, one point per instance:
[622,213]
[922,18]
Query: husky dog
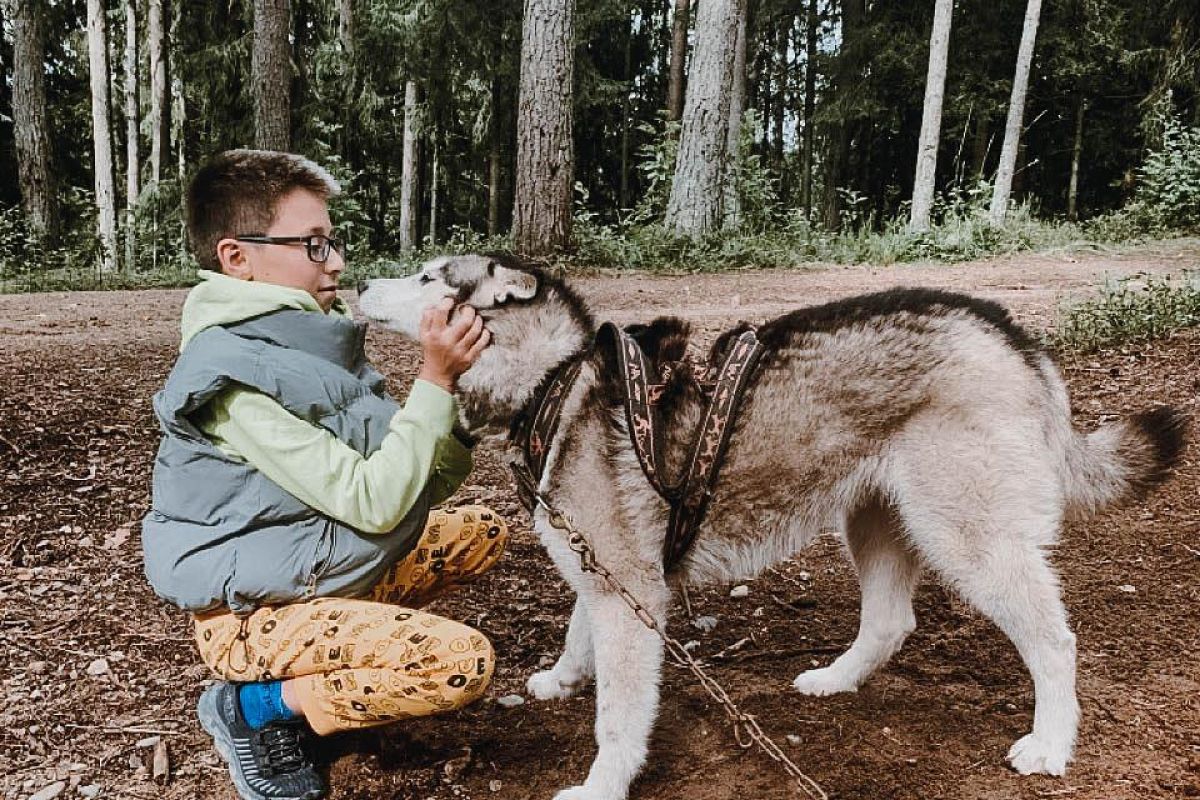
[926,426]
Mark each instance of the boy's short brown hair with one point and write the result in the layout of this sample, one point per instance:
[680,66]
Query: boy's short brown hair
[237,192]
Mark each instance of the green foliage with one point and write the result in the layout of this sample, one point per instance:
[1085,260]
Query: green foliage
[657,166]
[69,261]
[1168,193]
[1131,66]
[755,185]
[769,237]
[1130,310]
[1170,187]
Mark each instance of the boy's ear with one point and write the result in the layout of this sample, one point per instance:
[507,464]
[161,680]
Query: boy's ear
[233,259]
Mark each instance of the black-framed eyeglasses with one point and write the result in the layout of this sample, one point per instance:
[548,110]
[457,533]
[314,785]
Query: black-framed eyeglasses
[316,245]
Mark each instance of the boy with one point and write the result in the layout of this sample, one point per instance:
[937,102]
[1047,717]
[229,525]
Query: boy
[292,497]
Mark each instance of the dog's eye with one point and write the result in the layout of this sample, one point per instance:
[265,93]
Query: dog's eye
[425,279]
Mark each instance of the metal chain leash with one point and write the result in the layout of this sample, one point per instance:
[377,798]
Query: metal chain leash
[746,730]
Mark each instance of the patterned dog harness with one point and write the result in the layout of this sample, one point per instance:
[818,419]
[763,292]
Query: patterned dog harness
[688,498]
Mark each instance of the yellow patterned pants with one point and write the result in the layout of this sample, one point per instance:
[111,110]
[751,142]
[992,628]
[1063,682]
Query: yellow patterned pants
[368,661]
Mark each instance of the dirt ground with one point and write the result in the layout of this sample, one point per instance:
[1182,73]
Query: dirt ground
[95,670]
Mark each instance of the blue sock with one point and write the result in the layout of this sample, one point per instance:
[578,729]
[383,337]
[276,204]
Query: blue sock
[262,703]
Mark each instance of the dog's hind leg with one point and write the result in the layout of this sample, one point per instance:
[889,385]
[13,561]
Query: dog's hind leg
[628,664]
[574,666]
[1016,588]
[984,534]
[887,573]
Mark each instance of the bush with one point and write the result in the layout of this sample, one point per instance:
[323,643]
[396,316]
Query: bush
[1170,187]
[68,261]
[1130,310]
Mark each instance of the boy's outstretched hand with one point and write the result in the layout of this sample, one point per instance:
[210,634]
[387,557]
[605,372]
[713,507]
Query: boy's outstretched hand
[450,343]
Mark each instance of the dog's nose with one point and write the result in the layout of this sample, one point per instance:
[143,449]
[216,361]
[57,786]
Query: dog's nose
[362,287]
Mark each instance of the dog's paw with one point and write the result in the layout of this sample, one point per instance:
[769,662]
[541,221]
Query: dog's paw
[545,685]
[1033,756]
[584,793]
[820,682]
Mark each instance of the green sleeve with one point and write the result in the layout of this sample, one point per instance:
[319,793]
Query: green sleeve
[370,494]
[452,467]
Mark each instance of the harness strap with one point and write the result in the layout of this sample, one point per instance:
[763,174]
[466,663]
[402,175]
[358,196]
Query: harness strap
[534,433]
[534,430]
[644,429]
[708,450]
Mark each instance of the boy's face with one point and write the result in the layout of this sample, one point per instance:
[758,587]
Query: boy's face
[298,213]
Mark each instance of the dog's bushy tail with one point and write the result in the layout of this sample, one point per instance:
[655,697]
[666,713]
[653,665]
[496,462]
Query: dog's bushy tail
[1123,460]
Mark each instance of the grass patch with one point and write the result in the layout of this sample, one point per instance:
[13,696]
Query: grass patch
[1129,310]
[962,233]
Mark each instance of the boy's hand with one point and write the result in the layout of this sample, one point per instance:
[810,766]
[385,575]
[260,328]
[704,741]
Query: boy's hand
[450,342]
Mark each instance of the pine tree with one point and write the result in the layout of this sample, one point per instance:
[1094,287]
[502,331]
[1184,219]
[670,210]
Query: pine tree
[159,127]
[409,170]
[545,150]
[102,136]
[131,128]
[271,74]
[931,119]
[39,196]
[1016,113]
[679,41]
[696,205]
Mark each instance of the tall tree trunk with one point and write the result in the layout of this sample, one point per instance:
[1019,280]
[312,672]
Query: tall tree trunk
[623,191]
[271,68]
[779,100]
[301,35]
[349,75]
[545,154]
[159,129]
[696,205]
[1016,112]
[30,124]
[383,191]
[176,114]
[346,29]
[810,105]
[132,167]
[1019,174]
[931,118]
[1076,155]
[679,41]
[981,146]
[408,170]
[433,188]
[494,158]
[102,135]
[737,106]
[853,14]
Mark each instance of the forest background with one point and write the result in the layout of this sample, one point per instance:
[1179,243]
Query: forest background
[603,133]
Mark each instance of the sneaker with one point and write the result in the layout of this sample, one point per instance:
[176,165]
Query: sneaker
[267,764]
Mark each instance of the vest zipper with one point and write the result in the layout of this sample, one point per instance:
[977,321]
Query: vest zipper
[325,547]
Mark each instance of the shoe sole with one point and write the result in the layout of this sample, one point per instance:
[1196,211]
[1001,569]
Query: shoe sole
[214,726]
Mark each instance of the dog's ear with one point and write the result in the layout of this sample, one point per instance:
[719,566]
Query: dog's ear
[664,339]
[510,284]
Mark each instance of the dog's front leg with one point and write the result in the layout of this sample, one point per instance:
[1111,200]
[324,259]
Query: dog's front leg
[574,666]
[628,658]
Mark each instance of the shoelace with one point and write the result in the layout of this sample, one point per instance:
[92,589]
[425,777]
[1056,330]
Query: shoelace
[282,749]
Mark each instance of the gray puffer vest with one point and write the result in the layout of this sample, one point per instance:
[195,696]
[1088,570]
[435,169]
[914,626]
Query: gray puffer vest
[219,532]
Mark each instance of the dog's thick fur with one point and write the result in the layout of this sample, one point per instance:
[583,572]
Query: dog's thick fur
[926,426]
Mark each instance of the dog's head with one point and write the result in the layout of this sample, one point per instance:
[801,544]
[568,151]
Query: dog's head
[486,282]
[535,319]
